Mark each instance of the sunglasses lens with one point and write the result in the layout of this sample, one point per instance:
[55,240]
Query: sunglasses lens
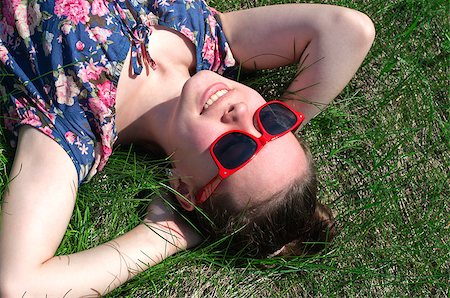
[277,119]
[234,149]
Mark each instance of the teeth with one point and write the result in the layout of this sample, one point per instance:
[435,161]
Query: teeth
[214,97]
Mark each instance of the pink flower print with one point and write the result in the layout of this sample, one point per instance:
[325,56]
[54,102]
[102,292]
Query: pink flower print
[66,27]
[70,137]
[188,33]
[119,11]
[3,54]
[108,134]
[208,50]
[107,93]
[106,138]
[229,58]
[212,24]
[98,107]
[31,118]
[18,103]
[90,71]
[211,9]
[76,11]
[8,9]
[149,19]
[21,23]
[40,104]
[34,15]
[51,117]
[27,18]
[99,8]
[217,63]
[66,89]
[47,130]
[79,45]
[106,152]
[123,16]
[99,34]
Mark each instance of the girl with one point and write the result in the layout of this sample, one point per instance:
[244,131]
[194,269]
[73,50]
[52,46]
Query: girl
[82,75]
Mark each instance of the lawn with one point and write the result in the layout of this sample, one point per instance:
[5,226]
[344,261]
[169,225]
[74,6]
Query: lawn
[382,153]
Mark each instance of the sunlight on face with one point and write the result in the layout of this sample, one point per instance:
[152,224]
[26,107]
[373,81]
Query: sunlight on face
[194,129]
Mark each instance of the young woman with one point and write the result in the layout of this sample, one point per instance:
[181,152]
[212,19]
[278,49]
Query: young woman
[82,75]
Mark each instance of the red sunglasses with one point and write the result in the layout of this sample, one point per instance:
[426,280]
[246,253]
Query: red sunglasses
[234,149]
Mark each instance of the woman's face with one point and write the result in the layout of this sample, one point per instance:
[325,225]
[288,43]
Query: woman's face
[194,128]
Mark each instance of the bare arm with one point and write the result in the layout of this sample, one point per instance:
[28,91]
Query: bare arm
[36,210]
[328,42]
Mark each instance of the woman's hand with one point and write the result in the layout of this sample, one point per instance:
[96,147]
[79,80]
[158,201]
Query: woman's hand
[163,218]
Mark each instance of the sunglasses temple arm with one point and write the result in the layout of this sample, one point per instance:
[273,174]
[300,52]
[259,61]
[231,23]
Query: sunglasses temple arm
[208,190]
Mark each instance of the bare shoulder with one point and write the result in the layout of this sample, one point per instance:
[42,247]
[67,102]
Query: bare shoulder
[38,158]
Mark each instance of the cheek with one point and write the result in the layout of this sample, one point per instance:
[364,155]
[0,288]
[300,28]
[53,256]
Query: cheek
[198,133]
[253,99]
[200,167]
[258,100]
[193,142]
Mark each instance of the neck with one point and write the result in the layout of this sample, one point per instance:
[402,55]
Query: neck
[145,105]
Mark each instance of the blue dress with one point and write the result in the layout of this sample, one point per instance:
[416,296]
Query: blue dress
[60,62]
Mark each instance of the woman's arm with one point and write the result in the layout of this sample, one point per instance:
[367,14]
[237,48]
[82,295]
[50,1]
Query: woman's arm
[36,210]
[328,42]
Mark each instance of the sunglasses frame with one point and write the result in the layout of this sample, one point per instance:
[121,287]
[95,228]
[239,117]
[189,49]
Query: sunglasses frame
[204,193]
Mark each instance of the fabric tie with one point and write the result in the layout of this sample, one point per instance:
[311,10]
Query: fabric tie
[139,52]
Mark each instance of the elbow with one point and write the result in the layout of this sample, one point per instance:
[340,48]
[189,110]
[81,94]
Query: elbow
[366,30]
[356,27]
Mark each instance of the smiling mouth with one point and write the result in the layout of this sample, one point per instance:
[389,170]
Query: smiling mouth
[213,98]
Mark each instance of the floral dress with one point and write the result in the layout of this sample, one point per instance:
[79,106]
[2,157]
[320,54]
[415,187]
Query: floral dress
[60,62]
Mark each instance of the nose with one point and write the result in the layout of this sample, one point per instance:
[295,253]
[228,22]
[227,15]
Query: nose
[239,116]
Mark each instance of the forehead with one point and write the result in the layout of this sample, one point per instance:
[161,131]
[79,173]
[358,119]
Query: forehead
[272,170]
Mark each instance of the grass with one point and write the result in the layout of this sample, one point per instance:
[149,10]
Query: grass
[383,158]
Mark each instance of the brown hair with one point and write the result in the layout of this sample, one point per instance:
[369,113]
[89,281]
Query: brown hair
[292,224]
